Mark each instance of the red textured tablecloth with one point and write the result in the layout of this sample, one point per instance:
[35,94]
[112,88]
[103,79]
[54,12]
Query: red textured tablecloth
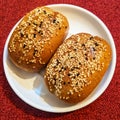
[106,107]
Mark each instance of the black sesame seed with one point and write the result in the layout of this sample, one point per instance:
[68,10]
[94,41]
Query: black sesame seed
[44,12]
[26,35]
[91,38]
[54,66]
[35,51]
[21,34]
[96,44]
[94,49]
[86,58]
[59,80]
[59,28]
[76,83]
[93,58]
[24,46]
[40,32]
[57,62]
[83,45]
[65,27]
[78,74]
[64,68]
[54,78]
[38,10]
[74,77]
[64,83]
[68,82]
[60,70]
[49,15]
[54,20]
[72,69]
[75,49]
[34,23]
[40,24]
[69,74]
[34,35]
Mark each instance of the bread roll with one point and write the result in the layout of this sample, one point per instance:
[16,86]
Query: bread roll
[36,38]
[77,67]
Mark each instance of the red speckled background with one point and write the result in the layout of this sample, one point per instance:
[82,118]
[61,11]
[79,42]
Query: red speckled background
[106,107]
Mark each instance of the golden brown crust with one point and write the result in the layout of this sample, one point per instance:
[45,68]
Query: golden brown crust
[77,67]
[36,38]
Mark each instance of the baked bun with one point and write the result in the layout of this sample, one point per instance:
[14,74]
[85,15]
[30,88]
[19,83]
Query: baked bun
[77,67]
[36,38]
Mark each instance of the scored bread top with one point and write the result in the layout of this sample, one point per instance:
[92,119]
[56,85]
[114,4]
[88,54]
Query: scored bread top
[77,67]
[36,38]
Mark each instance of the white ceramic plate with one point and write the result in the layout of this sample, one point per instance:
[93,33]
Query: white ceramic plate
[30,87]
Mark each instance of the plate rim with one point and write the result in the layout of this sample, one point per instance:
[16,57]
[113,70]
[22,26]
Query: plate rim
[103,88]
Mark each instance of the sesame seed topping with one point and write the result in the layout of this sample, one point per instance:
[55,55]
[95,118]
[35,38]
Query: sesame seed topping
[79,66]
[33,32]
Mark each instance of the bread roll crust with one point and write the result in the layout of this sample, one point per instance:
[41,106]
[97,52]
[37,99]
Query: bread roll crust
[36,38]
[77,67]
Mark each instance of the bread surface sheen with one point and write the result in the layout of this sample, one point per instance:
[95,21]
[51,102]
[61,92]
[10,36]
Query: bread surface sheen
[36,38]
[77,67]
